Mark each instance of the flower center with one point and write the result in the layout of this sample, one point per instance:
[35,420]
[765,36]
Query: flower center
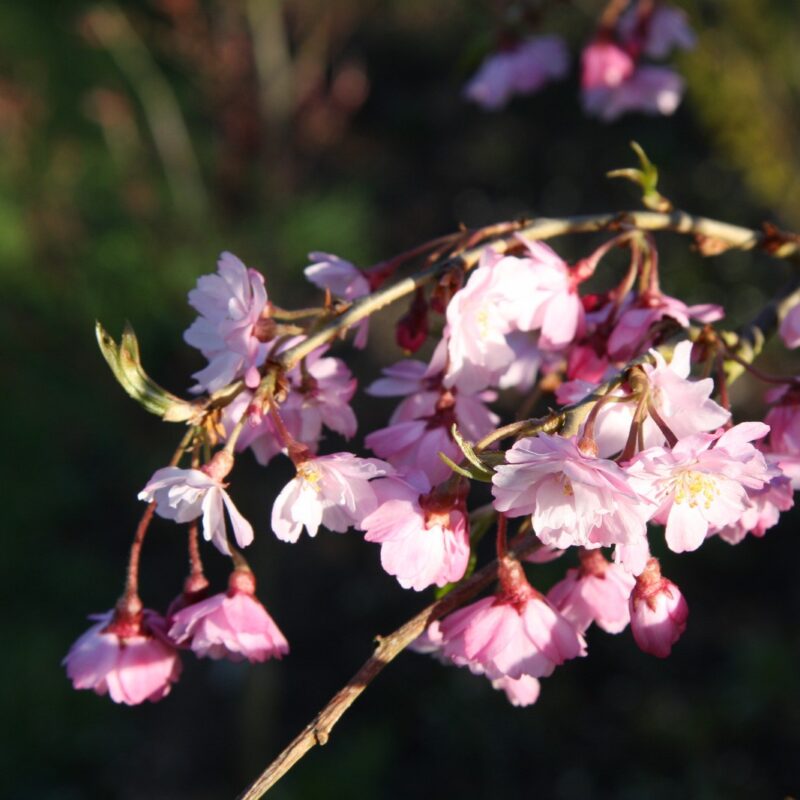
[311,474]
[695,488]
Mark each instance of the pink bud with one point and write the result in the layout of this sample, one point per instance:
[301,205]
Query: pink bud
[412,329]
[658,611]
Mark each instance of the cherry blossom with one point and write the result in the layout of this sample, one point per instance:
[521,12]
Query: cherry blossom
[332,490]
[231,304]
[186,494]
[234,625]
[658,612]
[342,279]
[684,405]
[130,660]
[424,537]
[613,84]
[663,30]
[510,636]
[701,483]
[784,438]
[596,592]
[763,507]
[790,328]
[573,498]
[523,69]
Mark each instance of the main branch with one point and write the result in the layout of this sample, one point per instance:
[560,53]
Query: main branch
[716,237]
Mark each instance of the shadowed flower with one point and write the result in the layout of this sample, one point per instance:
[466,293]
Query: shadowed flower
[129,660]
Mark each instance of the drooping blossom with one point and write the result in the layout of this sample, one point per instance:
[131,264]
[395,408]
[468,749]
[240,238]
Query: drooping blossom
[523,69]
[186,494]
[790,327]
[658,612]
[613,84]
[232,304]
[343,280]
[595,592]
[701,483]
[522,691]
[683,404]
[233,625]
[424,536]
[630,334]
[510,635]
[332,490]
[127,658]
[664,29]
[573,498]
[319,394]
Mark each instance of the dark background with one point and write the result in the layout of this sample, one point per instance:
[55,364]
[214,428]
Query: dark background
[138,140]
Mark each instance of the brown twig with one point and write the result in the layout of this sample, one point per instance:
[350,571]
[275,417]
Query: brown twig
[388,648]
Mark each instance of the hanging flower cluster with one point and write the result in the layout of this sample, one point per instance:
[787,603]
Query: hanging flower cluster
[636,449]
[617,74]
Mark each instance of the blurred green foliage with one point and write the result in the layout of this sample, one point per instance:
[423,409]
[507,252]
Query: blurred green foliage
[138,140]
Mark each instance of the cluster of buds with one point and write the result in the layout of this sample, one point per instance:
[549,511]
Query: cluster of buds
[616,77]
[641,446]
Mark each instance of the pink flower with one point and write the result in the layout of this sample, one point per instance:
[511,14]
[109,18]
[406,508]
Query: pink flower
[650,90]
[573,498]
[129,660]
[416,445]
[665,29]
[555,309]
[612,84]
[424,537]
[522,70]
[481,314]
[784,437]
[523,691]
[596,592]
[605,65]
[231,303]
[762,508]
[185,494]
[332,490]
[790,327]
[510,636]
[319,394]
[701,483]
[631,332]
[343,280]
[658,612]
[233,625]
[684,405]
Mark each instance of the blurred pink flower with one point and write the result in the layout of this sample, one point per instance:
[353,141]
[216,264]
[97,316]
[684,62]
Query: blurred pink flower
[524,69]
